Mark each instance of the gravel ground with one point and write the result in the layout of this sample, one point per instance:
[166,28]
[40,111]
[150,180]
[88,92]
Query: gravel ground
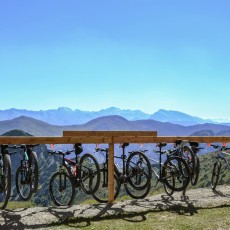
[45,217]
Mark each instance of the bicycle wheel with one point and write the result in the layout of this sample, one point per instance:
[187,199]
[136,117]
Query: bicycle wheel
[137,193]
[138,170]
[61,189]
[89,174]
[5,181]
[33,165]
[215,174]
[175,173]
[101,195]
[189,156]
[196,171]
[23,183]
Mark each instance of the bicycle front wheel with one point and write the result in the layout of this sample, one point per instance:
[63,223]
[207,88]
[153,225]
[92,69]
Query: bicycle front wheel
[175,173]
[89,174]
[102,193]
[61,189]
[137,193]
[215,174]
[138,170]
[5,181]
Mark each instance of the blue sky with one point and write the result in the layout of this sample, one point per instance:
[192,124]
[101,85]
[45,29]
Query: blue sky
[130,54]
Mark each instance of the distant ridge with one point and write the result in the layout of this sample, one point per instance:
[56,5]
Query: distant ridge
[67,116]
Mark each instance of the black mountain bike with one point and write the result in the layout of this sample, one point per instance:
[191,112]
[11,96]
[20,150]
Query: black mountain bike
[221,157]
[173,172]
[27,173]
[83,174]
[5,176]
[135,174]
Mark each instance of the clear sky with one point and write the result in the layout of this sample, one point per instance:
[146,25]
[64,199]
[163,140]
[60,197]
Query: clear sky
[131,54]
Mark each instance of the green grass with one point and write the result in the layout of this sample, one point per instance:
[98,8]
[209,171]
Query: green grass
[19,204]
[177,218]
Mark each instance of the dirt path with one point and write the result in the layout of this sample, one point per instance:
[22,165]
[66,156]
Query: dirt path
[45,217]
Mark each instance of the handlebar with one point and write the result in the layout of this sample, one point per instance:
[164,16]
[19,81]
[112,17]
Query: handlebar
[220,147]
[59,152]
[101,150]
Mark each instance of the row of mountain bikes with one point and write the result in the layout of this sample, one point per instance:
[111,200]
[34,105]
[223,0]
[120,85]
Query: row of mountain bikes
[176,168]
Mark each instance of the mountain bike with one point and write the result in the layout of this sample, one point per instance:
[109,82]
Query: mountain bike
[27,173]
[173,172]
[83,174]
[5,176]
[135,174]
[221,157]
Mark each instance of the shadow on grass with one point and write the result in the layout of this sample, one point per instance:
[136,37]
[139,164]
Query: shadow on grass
[82,216]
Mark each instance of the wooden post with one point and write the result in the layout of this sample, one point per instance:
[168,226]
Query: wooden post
[111,174]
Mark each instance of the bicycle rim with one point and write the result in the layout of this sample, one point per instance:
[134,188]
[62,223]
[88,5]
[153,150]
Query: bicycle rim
[175,173]
[138,170]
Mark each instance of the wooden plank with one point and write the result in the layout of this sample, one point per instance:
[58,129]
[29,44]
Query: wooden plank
[54,140]
[200,139]
[109,133]
[111,174]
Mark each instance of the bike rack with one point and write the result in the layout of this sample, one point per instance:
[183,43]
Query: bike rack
[111,138]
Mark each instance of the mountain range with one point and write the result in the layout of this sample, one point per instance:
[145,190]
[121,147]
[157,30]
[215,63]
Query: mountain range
[40,128]
[67,116]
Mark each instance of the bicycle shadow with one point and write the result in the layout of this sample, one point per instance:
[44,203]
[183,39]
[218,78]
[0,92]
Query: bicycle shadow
[80,216]
[219,193]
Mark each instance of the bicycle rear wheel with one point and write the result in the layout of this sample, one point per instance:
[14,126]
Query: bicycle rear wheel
[101,195]
[33,164]
[175,173]
[196,171]
[138,170]
[168,190]
[5,181]
[215,174]
[189,156]
[61,189]
[89,174]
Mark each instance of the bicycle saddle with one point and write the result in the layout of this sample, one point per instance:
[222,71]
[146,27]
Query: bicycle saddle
[124,145]
[78,148]
[161,144]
